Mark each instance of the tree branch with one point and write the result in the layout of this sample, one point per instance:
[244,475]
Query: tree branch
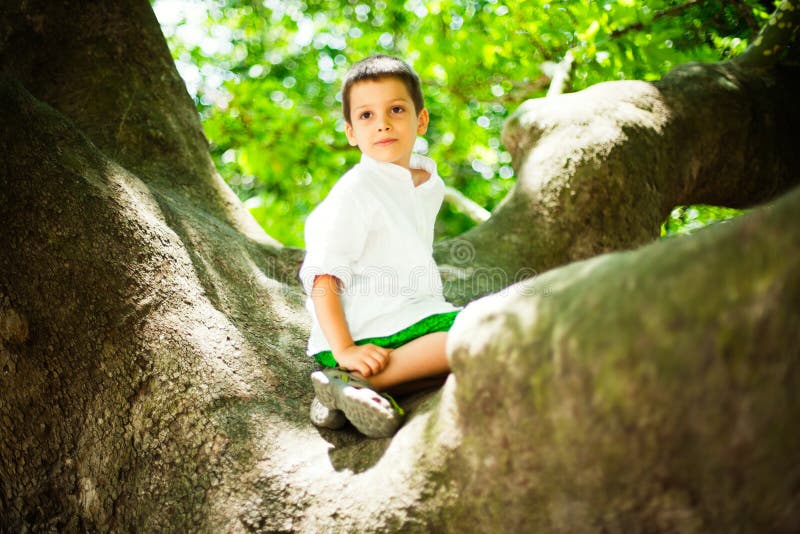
[521,90]
[715,134]
[467,206]
[560,74]
[777,36]
[746,14]
[671,11]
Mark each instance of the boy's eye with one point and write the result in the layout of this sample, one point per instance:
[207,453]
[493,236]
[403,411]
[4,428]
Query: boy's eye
[398,109]
[365,115]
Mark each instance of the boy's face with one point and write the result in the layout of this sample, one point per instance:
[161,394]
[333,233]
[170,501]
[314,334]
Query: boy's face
[383,121]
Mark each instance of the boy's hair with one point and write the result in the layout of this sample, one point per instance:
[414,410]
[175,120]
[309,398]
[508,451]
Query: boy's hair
[375,68]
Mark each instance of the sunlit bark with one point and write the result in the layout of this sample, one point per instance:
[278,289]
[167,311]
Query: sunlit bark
[601,169]
[152,374]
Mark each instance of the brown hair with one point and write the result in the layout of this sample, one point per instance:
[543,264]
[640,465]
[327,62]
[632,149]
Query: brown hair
[375,68]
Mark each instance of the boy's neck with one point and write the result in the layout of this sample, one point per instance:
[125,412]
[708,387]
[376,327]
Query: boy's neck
[418,175]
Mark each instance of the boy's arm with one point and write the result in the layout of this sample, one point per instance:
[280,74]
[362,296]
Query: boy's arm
[366,359]
[328,307]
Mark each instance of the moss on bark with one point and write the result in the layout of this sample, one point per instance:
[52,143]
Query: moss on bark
[599,170]
[652,390]
[151,345]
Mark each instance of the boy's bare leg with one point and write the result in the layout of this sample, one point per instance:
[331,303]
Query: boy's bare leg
[423,357]
[407,388]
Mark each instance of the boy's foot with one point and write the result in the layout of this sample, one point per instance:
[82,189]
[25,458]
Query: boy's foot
[326,417]
[372,414]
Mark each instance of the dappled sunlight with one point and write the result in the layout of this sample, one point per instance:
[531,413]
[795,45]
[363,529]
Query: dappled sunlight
[266,76]
[191,319]
[270,457]
[307,465]
[153,335]
[224,362]
[207,348]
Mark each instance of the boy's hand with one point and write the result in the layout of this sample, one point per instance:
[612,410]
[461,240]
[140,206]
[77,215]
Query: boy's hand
[366,359]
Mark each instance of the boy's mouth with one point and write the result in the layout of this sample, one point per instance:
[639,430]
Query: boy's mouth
[385,142]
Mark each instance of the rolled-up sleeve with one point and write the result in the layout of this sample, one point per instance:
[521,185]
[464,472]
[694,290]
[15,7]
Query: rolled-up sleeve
[335,234]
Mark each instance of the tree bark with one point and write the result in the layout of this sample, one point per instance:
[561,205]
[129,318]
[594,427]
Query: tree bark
[107,67]
[152,374]
[601,169]
[645,391]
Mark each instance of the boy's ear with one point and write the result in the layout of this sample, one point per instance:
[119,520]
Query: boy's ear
[422,121]
[351,137]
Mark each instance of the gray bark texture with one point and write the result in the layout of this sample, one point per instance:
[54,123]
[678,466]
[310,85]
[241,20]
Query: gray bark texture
[599,170]
[152,367]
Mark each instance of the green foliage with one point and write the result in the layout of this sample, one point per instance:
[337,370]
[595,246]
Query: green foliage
[265,75]
[684,220]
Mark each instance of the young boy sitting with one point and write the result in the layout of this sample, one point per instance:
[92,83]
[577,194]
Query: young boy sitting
[375,293]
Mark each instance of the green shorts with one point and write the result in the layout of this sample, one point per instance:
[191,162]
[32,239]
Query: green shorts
[440,322]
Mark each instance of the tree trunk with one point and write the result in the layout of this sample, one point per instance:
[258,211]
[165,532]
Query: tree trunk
[152,367]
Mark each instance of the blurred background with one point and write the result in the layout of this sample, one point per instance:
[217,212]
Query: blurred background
[266,74]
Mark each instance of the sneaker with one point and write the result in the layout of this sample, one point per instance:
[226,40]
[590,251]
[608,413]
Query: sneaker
[373,414]
[325,417]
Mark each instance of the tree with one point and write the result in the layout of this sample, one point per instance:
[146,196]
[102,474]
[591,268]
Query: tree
[265,74]
[151,335]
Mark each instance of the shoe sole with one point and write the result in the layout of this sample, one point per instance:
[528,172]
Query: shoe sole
[369,412]
[325,417]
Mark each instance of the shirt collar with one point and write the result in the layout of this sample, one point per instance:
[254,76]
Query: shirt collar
[396,171]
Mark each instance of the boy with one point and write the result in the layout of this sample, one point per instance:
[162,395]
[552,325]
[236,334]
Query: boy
[374,289]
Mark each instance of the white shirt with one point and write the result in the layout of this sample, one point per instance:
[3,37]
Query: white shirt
[374,231]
